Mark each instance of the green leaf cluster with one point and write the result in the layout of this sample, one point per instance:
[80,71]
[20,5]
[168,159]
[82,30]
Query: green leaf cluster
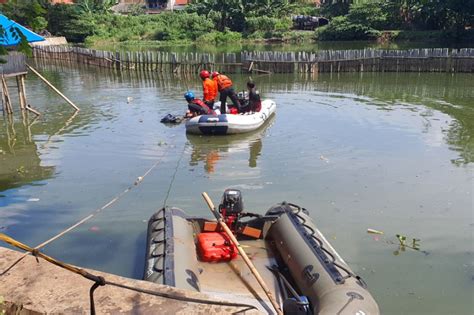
[365,18]
[341,28]
[31,13]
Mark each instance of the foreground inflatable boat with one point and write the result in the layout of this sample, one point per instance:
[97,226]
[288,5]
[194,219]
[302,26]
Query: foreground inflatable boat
[303,271]
[226,124]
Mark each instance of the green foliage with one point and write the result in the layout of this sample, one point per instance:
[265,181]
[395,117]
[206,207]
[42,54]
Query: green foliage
[234,14]
[333,8]
[30,13]
[167,26]
[15,33]
[341,28]
[225,13]
[136,9]
[371,14]
[95,6]
[306,9]
[65,20]
[220,37]
[364,19]
[267,24]
[39,23]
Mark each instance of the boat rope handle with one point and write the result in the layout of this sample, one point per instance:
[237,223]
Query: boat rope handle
[101,281]
[321,244]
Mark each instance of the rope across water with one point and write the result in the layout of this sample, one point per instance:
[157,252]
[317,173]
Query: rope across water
[87,218]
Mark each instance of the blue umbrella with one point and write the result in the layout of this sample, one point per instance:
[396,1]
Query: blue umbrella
[10,37]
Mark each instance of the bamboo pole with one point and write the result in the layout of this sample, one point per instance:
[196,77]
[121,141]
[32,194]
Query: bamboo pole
[20,85]
[53,87]
[6,95]
[31,109]
[242,253]
[4,103]
[23,91]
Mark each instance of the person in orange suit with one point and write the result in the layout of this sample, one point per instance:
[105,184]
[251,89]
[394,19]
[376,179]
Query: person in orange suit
[209,88]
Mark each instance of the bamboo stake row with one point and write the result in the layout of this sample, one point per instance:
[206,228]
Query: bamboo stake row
[364,60]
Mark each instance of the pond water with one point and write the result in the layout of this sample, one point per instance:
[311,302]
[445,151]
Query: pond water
[392,152]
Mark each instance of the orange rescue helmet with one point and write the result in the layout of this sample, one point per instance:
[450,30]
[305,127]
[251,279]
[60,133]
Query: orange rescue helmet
[215,74]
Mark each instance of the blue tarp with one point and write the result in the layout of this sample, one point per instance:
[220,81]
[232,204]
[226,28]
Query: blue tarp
[8,39]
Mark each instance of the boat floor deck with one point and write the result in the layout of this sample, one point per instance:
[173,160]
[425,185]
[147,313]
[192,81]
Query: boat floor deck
[234,280]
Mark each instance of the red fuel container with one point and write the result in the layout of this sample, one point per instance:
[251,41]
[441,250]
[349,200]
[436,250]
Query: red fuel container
[215,247]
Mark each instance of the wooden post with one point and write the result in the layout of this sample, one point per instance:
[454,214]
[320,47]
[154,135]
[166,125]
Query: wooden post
[6,95]
[20,93]
[4,106]
[34,111]
[52,87]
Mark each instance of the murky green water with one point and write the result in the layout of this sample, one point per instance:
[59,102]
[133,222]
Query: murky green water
[393,152]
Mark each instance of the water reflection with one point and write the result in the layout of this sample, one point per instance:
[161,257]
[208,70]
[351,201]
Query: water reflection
[210,149]
[19,155]
[424,93]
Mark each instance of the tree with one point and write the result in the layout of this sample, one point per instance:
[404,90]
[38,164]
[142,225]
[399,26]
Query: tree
[232,13]
[95,6]
[15,33]
[224,13]
[66,20]
[332,8]
[30,13]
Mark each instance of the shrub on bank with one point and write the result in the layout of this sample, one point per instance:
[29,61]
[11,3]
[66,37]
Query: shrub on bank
[267,24]
[341,28]
[220,37]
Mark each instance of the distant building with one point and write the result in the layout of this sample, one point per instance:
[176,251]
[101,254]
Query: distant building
[150,6]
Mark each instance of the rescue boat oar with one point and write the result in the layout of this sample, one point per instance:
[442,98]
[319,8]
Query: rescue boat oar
[242,253]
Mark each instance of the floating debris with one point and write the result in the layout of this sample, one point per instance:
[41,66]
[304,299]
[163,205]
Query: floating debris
[139,180]
[33,200]
[372,231]
[129,99]
[323,158]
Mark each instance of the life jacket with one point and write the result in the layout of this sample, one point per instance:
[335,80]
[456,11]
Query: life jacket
[199,107]
[223,82]
[209,90]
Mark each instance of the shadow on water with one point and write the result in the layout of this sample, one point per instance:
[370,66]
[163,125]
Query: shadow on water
[139,256]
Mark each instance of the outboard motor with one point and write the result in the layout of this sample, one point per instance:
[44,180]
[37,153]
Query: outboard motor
[231,206]
[243,98]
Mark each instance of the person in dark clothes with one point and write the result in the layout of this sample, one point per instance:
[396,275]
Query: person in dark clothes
[254,103]
[225,88]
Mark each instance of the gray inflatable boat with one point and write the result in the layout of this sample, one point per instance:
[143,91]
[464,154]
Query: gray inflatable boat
[301,268]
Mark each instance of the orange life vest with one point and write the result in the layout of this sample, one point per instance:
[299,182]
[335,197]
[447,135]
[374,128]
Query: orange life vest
[223,82]
[209,90]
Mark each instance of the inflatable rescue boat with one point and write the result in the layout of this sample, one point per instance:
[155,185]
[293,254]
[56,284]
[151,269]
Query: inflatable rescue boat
[226,124]
[303,271]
